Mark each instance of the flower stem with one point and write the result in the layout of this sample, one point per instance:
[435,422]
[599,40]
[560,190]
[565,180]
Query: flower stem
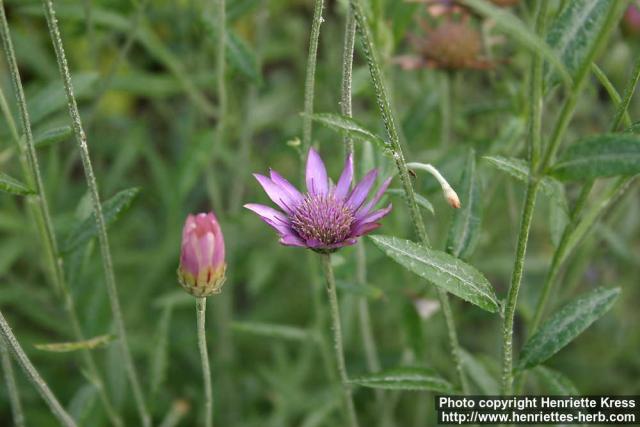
[201,305]
[107,262]
[29,163]
[347,74]
[12,388]
[396,150]
[310,79]
[350,411]
[32,374]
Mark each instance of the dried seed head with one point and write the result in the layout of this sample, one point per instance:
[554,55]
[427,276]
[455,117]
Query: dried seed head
[453,45]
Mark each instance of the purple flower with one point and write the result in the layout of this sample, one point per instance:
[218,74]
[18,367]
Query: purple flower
[202,267]
[328,216]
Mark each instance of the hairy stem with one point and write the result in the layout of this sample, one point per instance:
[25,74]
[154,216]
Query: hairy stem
[347,74]
[31,169]
[310,80]
[516,278]
[32,374]
[350,411]
[201,306]
[12,387]
[394,146]
[107,262]
[445,108]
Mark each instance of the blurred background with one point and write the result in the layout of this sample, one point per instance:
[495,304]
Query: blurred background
[144,73]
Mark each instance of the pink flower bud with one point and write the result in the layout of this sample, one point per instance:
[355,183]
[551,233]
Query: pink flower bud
[202,267]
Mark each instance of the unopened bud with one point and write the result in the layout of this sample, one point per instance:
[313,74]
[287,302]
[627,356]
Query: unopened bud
[202,266]
[449,193]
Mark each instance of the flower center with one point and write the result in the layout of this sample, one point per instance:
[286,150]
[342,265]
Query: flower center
[322,218]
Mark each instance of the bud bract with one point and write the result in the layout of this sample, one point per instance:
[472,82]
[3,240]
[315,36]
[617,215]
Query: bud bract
[202,266]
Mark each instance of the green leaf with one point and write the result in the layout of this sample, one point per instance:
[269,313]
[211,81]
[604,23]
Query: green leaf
[111,209]
[53,136]
[599,156]
[13,186]
[241,57]
[441,269]
[556,383]
[565,325]
[405,378]
[519,169]
[271,330]
[420,200]
[65,347]
[574,33]
[514,27]
[464,231]
[347,124]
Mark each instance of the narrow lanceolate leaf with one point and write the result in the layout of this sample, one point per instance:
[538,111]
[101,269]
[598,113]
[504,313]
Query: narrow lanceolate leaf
[13,186]
[565,325]
[111,209]
[347,124]
[53,136]
[441,269]
[514,27]
[464,231]
[270,330]
[65,347]
[519,169]
[405,378]
[600,156]
[574,32]
[555,382]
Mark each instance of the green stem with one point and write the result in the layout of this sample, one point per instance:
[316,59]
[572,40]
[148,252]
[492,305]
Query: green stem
[31,169]
[394,146]
[107,262]
[622,110]
[516,278]
[12,388]
[220,69]
[347,74]
[32,374]
[310,79]
[350,411]
[201,306]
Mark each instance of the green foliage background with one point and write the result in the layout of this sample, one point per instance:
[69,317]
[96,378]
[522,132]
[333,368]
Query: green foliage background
[150,112]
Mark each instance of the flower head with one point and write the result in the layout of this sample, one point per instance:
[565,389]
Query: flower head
[202,267]
[326,217]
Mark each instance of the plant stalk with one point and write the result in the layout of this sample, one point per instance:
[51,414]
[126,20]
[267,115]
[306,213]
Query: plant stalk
[12,387]
[309,85]
[350,411]
[107,262]
[29,163]
[32,374]
[395,148]
[201,305]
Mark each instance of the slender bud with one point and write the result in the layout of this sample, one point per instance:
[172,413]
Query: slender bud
[202,267]
[449,193]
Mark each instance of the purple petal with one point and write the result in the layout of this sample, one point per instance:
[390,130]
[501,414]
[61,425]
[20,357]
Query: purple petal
[364,210]
[362,229]
[274,218]
[292,240]
[294,195]
[359,194]
[279,196]
[375,215]
[344,183]
[317,182]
